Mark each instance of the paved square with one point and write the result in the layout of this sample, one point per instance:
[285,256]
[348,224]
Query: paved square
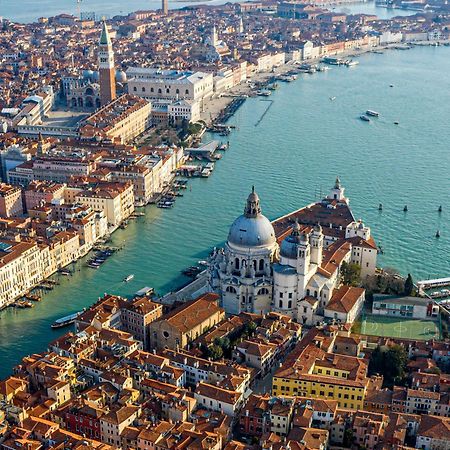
[400,328]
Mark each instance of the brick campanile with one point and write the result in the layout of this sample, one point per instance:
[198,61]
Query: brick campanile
[106,68]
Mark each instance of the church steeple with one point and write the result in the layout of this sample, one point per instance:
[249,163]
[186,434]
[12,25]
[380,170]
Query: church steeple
[106,67]
[104,38]
[253,208]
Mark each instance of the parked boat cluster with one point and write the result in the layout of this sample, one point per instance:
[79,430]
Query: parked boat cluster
[100,257]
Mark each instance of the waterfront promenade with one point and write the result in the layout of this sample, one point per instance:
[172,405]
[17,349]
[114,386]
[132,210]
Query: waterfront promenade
[303,142]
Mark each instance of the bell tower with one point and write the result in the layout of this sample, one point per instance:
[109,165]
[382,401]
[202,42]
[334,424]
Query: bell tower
[106,68]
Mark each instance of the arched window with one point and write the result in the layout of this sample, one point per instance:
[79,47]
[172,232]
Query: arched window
[177,91]
[143,89]
[230,289]
[167,91]
[308,292]
[152,90]
[290,304]
[263,291]
[261,264]
[187,92]
[280,304]
[134,89]
[236,263]
[159,91]
[254,264]
[315,294]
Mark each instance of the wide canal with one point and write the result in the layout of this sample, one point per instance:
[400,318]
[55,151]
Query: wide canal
[293,155]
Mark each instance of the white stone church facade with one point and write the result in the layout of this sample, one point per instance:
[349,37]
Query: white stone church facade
[292,265]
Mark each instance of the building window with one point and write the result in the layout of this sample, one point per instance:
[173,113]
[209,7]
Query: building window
[280,304]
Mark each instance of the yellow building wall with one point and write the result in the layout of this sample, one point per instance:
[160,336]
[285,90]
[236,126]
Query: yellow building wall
[347,396]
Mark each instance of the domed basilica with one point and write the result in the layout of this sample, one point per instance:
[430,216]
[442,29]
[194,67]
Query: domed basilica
[292,265]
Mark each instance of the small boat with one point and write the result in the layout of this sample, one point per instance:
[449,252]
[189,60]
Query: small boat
[128,278]
[391,85]
[395,123]
[438,234]
[332,99]
[202,263]
[405,208]
[364,118]
[263,93]
[440,208]
[64,321]
[369,112]
[380,207]
[351,63]
[93,266]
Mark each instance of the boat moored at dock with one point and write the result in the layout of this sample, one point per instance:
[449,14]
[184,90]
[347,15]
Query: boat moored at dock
[65,321]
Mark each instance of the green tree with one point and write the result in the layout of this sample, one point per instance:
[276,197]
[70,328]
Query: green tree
[348,437]
[215,352]
[351,274]
[250,328]
[409,285]
[389,362]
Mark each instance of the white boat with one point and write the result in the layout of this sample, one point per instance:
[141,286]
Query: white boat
[64,321]
[128,278]
[332,98]
[369,112]
[351,63]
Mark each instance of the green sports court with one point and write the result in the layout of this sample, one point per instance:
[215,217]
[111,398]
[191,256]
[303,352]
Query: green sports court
[375,325]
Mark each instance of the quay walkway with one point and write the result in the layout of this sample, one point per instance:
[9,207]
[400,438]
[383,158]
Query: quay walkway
[436,283]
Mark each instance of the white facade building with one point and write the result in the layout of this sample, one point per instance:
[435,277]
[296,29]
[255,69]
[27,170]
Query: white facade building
[157,84]
[301,276]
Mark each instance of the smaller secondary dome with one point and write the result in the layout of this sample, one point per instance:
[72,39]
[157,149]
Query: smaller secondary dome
[121,76]
[289,246]
[88,73]
[252,229]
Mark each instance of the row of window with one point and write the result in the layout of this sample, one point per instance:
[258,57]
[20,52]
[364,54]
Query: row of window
[160,90]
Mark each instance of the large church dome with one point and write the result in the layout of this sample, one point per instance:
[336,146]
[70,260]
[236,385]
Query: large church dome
[252,229]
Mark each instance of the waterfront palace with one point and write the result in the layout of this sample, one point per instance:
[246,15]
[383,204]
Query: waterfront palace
[292,265]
